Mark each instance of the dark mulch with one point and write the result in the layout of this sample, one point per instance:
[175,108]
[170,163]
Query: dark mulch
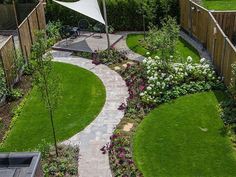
[6,109]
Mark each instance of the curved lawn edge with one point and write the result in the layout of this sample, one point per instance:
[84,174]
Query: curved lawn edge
[184,138]
[83,97]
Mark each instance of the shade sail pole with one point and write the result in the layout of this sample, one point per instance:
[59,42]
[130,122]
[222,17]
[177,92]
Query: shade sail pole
[106,24]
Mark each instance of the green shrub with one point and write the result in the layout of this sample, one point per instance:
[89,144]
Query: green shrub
[3,88]
[122,14]
[170,81]
[164,39]
[110,57]
[14,94]
[20,61]
[53,32]
[66,164]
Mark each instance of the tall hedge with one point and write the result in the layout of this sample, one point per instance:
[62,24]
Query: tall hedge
[122,14]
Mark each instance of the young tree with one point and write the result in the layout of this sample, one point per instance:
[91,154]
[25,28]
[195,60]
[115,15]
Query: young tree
[47,83]
[164,39]
[147,10]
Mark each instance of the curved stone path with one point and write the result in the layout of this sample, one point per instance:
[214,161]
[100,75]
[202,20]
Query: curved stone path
[92,163]
[122,46]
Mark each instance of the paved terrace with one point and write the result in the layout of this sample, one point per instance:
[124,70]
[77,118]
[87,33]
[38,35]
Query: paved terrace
[87,42]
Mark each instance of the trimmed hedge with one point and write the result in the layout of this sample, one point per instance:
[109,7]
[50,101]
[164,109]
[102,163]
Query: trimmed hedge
[122,14]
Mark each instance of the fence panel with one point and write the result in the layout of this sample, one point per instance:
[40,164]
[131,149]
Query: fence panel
[34,21]
[25,38]
[33,24]
[41,16]
[7,18]
[227,22]
[185,17]
[8,56]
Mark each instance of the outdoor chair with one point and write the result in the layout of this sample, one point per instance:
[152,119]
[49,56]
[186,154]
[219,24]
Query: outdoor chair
[98,28]
[66,32]
[83,25]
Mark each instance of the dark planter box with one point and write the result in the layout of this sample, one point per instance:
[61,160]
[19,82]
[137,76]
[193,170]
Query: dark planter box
[20,165]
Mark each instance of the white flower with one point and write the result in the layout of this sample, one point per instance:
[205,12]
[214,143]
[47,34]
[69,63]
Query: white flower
[157,57]
[189,59]
[148,53]
[142,94]
[202,60]
[149,88]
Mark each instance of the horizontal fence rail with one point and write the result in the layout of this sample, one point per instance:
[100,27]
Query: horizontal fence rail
[204,26]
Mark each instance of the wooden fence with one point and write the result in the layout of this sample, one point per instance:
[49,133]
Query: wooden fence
[26,30]
[26,33]
[227,22]
[202,25]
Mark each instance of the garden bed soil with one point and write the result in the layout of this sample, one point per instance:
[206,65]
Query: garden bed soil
[7,108]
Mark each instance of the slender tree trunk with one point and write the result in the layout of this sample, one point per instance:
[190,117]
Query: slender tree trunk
[144,27]
[53,130]
[50,109]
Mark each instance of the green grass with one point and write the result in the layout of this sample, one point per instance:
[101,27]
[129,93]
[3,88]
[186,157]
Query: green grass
[184,139]
[134,42]
[220,4]
[83,98]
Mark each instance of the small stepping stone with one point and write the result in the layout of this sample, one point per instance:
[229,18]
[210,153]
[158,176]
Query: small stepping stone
[117,68]
[128,127]
[130,63]
[125,65]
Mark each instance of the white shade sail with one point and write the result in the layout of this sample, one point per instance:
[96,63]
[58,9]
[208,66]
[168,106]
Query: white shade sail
[89,8]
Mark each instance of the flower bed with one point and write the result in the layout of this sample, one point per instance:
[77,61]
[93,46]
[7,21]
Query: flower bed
[145,81]
[168,81]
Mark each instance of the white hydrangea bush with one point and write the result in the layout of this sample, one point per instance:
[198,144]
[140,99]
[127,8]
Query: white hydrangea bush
[169,81]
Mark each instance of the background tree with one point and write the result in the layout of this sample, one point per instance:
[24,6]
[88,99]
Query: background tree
[47,83]
[164,39]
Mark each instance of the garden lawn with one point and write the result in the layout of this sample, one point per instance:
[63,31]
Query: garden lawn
[185,138]
[134,42]
[220,4]
[83,96]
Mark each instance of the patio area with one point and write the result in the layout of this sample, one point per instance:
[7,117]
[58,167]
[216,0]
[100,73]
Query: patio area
[87,42]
